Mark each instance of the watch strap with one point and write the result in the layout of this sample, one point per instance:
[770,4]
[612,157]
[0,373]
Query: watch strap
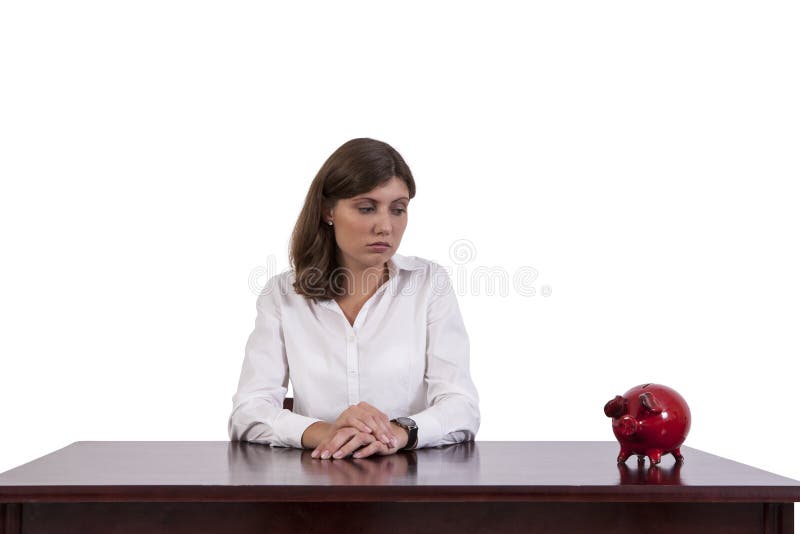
[412,434]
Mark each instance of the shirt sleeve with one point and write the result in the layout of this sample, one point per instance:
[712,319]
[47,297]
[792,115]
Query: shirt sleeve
[258,414]
[452,415]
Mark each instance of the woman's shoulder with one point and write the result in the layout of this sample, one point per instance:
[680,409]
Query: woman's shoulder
[276,288]
[425,273]
[415,263]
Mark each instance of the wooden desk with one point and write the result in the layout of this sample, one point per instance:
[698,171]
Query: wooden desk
[487,486]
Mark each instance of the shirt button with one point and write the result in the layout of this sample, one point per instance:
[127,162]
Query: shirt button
[353,372]
[351,337]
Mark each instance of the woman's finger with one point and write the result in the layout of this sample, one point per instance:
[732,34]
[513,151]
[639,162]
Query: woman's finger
[355,422]
[379,430]
[382,420]
[342,436]
[369,450]
[352,416]
[389,433]
[366,418]
[334,443]
[359,440]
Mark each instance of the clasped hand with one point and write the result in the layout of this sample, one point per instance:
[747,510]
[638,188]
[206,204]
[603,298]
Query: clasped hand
[361,430]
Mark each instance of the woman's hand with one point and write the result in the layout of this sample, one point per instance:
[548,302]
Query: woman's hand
[366,418]
[362,428]
[342,442]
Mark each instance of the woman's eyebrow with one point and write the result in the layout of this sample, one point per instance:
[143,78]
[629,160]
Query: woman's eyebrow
[372,199]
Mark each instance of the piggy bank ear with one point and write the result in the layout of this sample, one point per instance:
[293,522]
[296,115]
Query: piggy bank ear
[650,403]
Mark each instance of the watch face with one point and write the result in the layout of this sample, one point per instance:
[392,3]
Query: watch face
[406,421]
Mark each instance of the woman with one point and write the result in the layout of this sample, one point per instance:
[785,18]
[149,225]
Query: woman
[372,341]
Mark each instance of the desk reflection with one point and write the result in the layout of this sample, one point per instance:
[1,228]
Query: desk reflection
[373,470]
[253,463]
[654,474]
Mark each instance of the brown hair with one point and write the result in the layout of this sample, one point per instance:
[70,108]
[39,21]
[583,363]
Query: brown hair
[356,167]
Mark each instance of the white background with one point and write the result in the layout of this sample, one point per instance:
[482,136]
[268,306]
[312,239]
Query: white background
[641,156]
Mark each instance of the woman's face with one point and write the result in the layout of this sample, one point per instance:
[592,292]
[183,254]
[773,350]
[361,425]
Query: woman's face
[380,215]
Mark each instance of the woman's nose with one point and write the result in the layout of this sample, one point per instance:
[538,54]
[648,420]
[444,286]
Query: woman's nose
[383,225]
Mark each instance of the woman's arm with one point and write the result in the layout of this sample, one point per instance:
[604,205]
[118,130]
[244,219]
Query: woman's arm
[258,413]
[453,414]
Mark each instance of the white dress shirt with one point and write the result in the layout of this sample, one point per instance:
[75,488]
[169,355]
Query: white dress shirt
[407,354]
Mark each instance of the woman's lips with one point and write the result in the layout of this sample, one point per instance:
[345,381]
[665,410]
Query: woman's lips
[379,248]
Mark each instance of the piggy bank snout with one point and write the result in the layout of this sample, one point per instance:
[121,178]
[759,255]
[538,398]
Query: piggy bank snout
[615,407]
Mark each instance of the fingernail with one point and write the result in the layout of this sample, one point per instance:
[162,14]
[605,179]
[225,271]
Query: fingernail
[394,443]
[338,454]
[357,455]
[315,454]
[325,455]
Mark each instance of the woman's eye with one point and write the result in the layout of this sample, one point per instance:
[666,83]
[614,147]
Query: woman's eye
[397,211]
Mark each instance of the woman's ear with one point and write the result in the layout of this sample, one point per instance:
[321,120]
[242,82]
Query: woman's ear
[327,212]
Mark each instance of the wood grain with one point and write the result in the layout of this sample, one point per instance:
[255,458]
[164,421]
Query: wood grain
[483,471]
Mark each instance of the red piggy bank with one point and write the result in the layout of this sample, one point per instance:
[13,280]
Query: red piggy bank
[651,420]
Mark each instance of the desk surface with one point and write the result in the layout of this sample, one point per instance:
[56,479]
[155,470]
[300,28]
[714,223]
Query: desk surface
[503,471]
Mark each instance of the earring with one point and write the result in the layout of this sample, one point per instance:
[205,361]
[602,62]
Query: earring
[330,223]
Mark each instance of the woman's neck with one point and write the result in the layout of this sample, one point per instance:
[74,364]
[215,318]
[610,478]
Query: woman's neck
[362,283]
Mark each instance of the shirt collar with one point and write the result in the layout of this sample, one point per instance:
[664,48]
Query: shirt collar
[404,263]
[396,263]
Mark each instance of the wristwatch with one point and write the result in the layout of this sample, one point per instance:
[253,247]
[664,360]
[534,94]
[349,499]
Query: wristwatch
[411,427]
